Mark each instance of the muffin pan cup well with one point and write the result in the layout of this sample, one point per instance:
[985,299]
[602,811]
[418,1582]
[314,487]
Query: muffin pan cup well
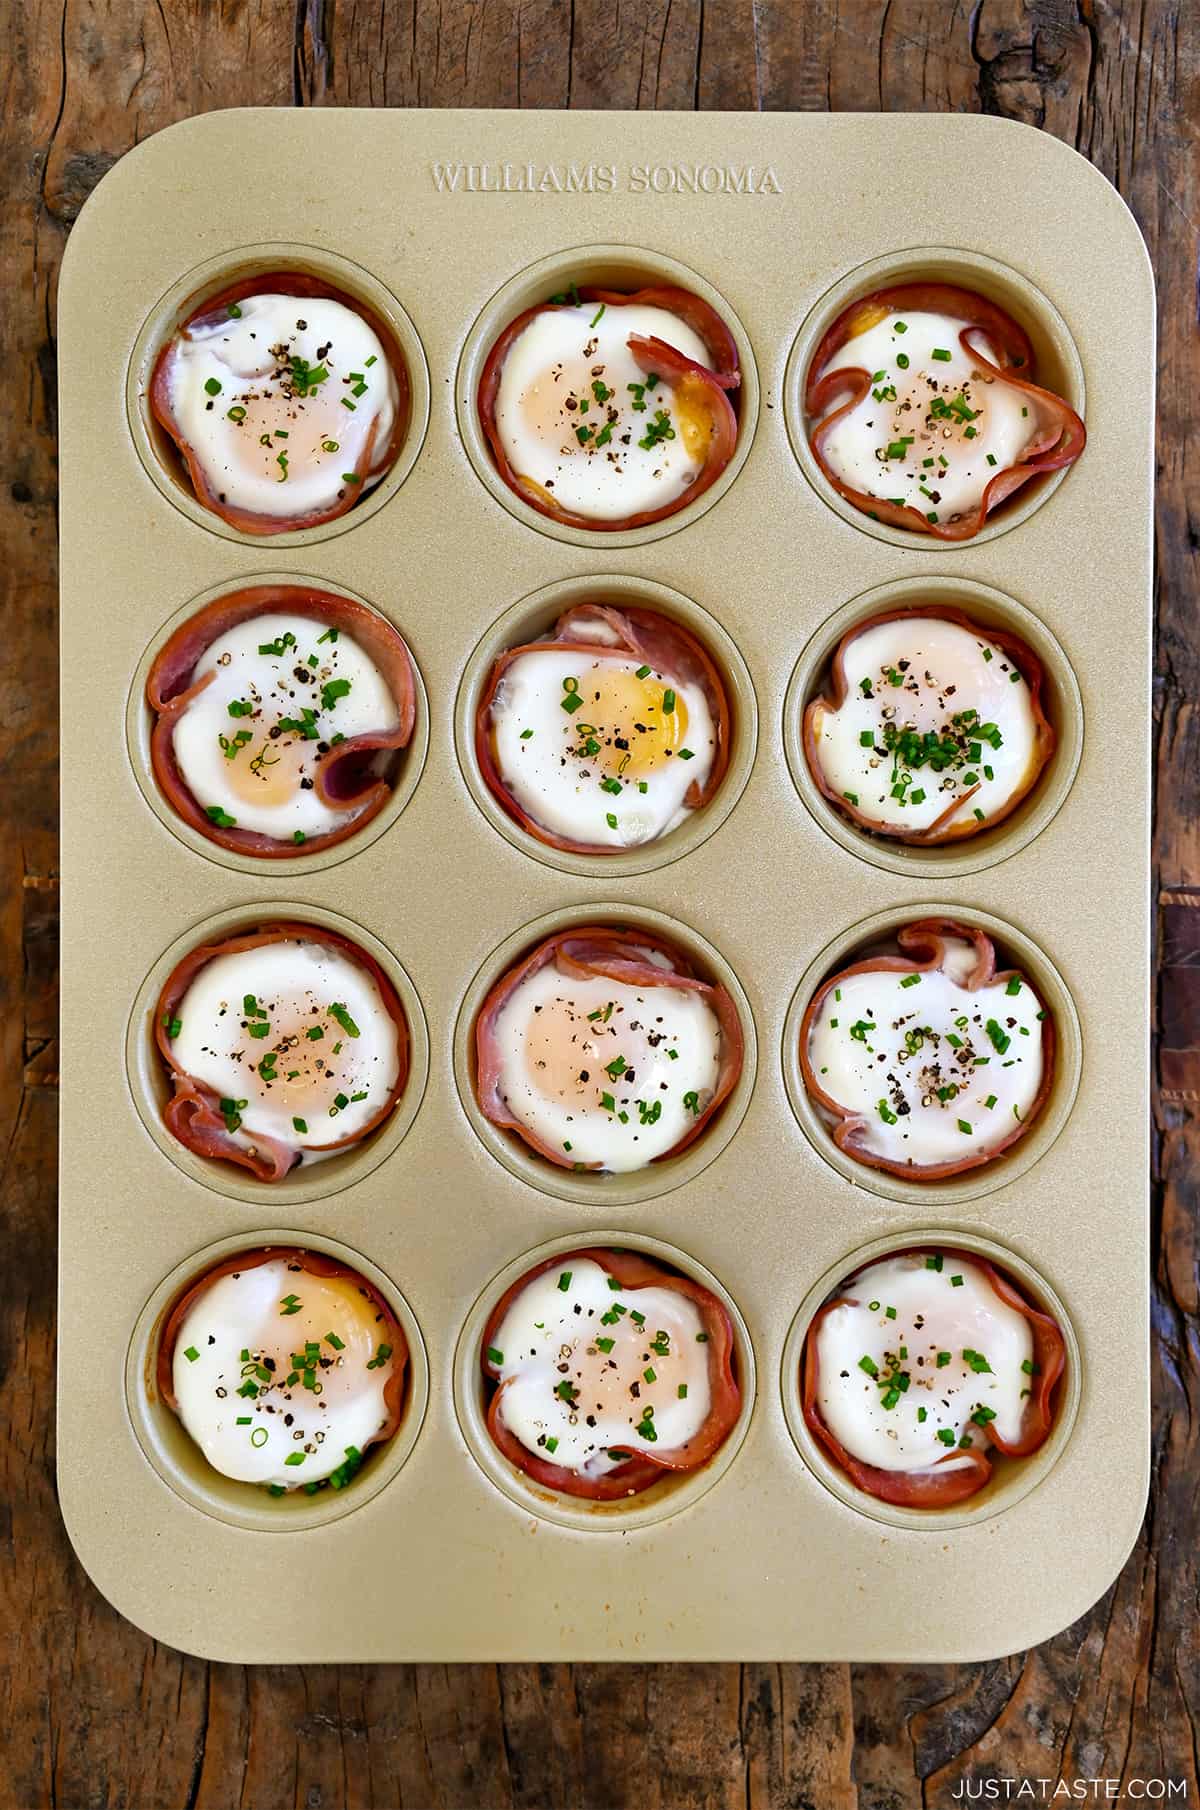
[139,728]
[765,1561]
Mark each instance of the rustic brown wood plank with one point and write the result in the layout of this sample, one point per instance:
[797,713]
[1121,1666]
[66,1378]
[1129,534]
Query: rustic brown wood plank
[93,1713]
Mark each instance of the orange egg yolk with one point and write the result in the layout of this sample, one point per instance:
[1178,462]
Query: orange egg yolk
[299,1334]
[603,1377]
[639,724]
[304,1074]
[579,1058]
[280,435]
[693,417]
[269,772]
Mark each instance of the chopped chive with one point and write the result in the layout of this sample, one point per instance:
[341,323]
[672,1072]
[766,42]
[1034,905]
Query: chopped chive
[344,1019]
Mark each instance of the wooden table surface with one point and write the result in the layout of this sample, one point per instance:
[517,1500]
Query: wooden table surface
[92,1713]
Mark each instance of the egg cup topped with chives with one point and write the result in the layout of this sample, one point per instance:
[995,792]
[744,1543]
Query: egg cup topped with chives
[286,398]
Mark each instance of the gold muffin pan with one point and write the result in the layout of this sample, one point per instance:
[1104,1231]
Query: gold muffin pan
[439,1550]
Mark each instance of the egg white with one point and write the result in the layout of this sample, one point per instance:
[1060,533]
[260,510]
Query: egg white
[554,1030]
[989,425]
[547,396]
[547,1343]
[248,357]
[542,749]
[241,1411]
[931,1312]
[296,984]
[259,782]
[859,1049]
[922,673]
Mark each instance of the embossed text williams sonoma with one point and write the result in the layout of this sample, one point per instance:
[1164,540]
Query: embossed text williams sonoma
[605,179]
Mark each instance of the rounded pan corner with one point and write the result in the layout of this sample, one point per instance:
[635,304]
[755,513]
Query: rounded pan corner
[109,1586]
[77,249]
[1082,167]
[1056,1618]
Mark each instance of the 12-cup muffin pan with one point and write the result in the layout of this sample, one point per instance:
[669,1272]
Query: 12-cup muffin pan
[449,223]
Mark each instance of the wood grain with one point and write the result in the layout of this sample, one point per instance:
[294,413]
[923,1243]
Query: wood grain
[94,1714]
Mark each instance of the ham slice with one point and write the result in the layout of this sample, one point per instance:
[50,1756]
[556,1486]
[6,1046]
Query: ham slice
[632,1271]
[924,949]
[605,951]
[193,1114]
[942,830]
[705,390]
[347,779]
[960,1474]
[371,463]
[1060,439]
[646,636]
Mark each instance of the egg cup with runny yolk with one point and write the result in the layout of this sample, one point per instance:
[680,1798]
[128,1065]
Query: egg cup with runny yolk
[280,714]
[608,733]
[603,1051]
[286,398]
[609,410]
[283,1045]
[607,1372]
[923,1368]
[931,727]
[924,1060]
[923,411]
[284,1367]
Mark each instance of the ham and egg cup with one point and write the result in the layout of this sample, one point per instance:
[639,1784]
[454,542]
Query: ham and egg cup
[608,1371]
[924,413]
[603,1049]
[284,1367]
[922,1368]
[607,733]
[287,399]
[931,728]
[283,1045]
[610,410]
[280,713]
[925,1060]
